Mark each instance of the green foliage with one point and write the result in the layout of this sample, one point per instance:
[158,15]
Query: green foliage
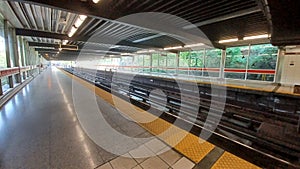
[213,58]
[236,57]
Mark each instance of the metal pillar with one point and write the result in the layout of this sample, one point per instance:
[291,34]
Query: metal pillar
[248,59]
[279,65]
[177,63]
[16,55]
[6,41]
[1,91]
[151,63]
[222,67]
[22,55]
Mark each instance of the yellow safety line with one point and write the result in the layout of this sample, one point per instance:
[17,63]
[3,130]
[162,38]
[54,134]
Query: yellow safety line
[184,142]
[230,161]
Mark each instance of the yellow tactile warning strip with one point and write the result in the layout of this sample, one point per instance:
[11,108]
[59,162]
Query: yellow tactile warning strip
[184,142]
[230,161]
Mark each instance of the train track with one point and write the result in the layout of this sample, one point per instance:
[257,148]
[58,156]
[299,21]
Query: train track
[255,122]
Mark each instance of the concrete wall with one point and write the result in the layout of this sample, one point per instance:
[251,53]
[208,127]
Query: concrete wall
[291,67]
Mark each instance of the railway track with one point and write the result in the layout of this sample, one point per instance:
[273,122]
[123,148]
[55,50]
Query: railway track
[252,123]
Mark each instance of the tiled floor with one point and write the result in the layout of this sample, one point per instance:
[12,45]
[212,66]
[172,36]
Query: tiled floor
[39,128]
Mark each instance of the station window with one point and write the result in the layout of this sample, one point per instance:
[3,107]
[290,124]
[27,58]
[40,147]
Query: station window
[236,62]
[212,62]
[155,62]
[126,63]
[138,63]
[197,62]
[147,63]
[162,63]
[171,63]
[184,62]
[3,63]
[262,62]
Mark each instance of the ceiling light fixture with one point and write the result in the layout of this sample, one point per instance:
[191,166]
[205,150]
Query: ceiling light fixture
[256,37]
[65,42]
[228,40]
[146,51]
[127,54]
[72,31]
[77,24]
[96,1]
[172,48]
[194,45]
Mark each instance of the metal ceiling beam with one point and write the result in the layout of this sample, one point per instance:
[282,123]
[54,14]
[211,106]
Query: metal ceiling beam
[225,17]
[41,34]
[103,40]
[105,11]
[148,38]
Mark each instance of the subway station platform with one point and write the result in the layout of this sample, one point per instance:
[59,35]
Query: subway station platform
[39,129]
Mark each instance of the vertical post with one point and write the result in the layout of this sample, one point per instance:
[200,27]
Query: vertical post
[1,91]
[279,66]
[6,41]
[177,63]
[16,55]
[298,128]
[222,67]
[151,63]
[247,65]
[22,55]
[204,64]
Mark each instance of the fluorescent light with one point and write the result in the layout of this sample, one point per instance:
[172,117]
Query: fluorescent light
[145,51]
[80,20]
[228,40]
[172,48]
[82,17]
[256,37]
[65,42]
[96,1]
[127,54]
[77,24]
[194,45]
[72,32]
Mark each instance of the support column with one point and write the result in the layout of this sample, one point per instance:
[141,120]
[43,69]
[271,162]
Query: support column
[1,91]
[16,55]
[279,65]
[151,63]
[222,66]
[6,41]
[22,56]
[248,59]
[177,63]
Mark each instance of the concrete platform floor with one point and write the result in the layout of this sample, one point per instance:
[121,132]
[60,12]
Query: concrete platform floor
[39,129]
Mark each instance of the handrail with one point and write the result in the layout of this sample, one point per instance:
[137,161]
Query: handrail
[15,70]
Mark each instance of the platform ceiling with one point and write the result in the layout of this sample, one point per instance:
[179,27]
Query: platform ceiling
[47,22]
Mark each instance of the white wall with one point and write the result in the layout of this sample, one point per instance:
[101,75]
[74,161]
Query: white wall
[291,69]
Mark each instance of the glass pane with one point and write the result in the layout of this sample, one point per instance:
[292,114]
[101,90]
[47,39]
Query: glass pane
[3,63]
[184,62]
[162,63]
[262,57]
[197,62]
[212,62]
[155,64]
[147,63]
[126,62]
[172,63]
[213,58]
[5,85]
[236,62]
